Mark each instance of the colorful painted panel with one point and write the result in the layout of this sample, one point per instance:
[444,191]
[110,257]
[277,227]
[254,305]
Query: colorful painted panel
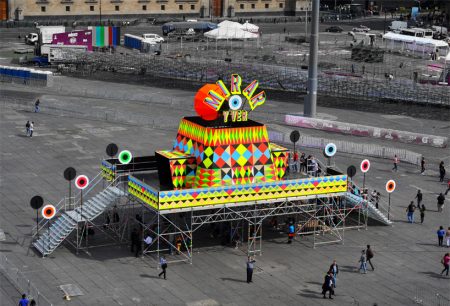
[143,192]
[240,193]
[108,171]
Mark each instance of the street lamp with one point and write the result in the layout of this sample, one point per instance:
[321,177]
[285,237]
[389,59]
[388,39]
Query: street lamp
[100,9]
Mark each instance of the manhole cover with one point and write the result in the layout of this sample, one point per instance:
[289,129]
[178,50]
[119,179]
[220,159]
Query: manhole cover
[71,290]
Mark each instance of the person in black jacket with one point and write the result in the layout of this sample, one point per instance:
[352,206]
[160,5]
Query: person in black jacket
[328,285]
[440,202]
[334,268]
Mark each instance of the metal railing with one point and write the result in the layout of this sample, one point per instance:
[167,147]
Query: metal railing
[21,282]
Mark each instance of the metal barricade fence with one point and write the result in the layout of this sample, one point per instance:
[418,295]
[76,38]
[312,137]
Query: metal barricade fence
[21,282]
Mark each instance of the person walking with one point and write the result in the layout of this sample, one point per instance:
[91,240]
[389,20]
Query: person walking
[334,268]
[23,301]
[291,232]
[328,285]
[422,213]
[410,212]
[163,263]
[440,234]
[419,197]
[447,237]
[396,161]
[448,187]
[27,126]
[31,129]
[445,261]
[422,165]
[250,267]
[134,240]
[303,163]
[441,171]
[369,253]
[363,262]
[36,106]
[440,202]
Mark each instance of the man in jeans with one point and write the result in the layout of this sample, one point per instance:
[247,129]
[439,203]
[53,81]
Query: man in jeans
[250,266]
[396,161]
[410,210]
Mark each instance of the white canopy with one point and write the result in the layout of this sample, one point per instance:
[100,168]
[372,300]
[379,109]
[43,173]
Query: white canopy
[250,27]
[416,40]
[230,33]
[230,24]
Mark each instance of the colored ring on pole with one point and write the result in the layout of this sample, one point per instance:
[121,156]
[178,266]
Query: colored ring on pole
[125,157]
[390,186]
[81,182]
[48,211]
[365,166]
[330,149]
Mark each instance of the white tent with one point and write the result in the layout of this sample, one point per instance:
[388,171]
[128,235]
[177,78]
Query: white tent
[230,24]
[230,33]
[250,27]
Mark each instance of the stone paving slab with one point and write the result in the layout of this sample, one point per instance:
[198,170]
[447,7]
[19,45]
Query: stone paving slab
[406,258]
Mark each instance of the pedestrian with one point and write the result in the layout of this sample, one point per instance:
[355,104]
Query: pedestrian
[370,255]
[440,234]
[315,166]
[422,213]
[410,212]
[24,301]
[296,169]
[448,187]
[445,261]
[419,197]
[328,285]
[250,266]
[284,30]
[363,262]
[303,163]
[440,202]
[291,232]
[163,263]
[422,165]
[134,240]
[31,128]
[447,237]
[27,126]
[334,268]
[32,303]
[36,106]
[441,172]
[396,161]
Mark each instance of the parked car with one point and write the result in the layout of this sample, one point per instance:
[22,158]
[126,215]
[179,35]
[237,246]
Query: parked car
[152,38]
[360,29]
[334,29]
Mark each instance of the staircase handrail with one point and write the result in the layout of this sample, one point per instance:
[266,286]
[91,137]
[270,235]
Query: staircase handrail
[60,207]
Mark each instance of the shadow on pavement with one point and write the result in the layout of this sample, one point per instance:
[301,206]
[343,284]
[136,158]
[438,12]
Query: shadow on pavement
[233,279]
[149,276]
[434,275]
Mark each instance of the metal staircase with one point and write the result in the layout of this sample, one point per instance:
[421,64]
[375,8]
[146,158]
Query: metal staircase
[372,211]
[61,228]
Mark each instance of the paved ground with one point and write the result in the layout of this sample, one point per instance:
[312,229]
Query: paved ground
[406,255]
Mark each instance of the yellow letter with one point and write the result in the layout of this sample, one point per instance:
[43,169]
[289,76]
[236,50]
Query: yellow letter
[225,116]
[236,84]
[257,100]
[250,89]
[224,89]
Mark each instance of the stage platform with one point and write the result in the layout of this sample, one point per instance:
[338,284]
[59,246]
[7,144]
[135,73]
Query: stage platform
[146,188]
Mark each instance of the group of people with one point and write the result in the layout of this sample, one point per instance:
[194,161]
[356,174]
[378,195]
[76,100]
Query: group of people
[24,301]
[305,164]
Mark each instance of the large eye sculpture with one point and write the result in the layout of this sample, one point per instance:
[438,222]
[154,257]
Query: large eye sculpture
[235,102]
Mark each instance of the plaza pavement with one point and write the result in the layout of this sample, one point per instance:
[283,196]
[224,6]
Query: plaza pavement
[407,258]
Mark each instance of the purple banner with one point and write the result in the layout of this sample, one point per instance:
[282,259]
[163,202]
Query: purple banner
[76,38]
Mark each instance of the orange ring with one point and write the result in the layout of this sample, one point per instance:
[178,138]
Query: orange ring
[48,211]
[390,186]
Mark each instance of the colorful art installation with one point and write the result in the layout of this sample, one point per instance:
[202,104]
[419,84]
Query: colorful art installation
[105,36]
[223,157]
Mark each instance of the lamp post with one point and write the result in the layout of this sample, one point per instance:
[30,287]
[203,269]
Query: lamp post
[100,9]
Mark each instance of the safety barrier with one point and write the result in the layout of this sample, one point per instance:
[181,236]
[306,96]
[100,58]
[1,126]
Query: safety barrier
[348,147]
[21,282]
[27,76]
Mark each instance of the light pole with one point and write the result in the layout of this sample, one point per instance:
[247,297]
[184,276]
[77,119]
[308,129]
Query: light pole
[100,9]
[311,98]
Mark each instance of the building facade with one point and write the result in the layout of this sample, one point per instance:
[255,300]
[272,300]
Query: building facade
[92,9]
